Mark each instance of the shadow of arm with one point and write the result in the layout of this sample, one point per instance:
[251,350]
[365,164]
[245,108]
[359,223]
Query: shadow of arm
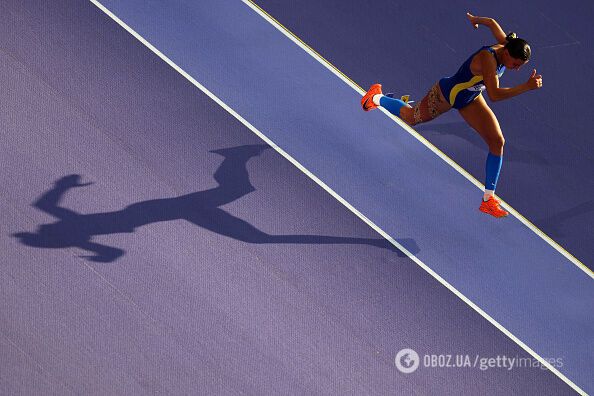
[103,254]
[48,202]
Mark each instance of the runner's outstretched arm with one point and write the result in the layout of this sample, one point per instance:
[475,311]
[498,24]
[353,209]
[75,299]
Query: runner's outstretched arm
[491,23]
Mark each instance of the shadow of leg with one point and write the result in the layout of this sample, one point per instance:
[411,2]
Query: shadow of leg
[223,223]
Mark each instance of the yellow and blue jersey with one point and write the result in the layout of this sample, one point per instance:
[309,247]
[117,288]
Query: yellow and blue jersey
[463,87]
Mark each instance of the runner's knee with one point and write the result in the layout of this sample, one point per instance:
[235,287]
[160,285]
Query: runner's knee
[496,144]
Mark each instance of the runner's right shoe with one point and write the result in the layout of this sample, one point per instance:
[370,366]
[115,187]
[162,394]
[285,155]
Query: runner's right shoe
[492,207]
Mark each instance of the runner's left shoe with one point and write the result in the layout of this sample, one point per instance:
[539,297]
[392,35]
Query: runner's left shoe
[367,100]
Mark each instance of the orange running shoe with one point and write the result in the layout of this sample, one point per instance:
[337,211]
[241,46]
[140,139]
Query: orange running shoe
[367,100]
[492,207]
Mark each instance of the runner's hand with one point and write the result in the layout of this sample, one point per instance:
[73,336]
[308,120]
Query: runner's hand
[473,19]
[535,80]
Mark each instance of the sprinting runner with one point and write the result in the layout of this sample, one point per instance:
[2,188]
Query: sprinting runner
[462,91]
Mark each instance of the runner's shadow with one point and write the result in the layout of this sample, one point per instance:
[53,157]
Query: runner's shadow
[201,208]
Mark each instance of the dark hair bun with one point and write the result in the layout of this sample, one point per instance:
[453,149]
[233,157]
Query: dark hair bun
[511,35]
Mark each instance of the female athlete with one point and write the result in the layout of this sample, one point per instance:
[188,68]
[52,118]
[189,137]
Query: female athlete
[463,91]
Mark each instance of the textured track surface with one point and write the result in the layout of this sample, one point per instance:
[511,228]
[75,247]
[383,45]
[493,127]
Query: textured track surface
[198,259]
[407,46]
[501,266]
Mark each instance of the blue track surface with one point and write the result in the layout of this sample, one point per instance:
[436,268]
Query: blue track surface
[381,170]
[408,46]
[268,285]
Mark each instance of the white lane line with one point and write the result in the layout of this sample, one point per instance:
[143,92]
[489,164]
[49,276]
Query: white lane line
[418,136]
[328,189]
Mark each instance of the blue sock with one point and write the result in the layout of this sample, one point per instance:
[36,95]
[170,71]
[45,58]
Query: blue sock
[392,105]
[493,168]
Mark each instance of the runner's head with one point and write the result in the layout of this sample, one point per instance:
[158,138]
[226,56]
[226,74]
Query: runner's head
[516,52]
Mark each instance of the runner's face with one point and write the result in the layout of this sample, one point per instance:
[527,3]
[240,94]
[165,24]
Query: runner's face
[512,63]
